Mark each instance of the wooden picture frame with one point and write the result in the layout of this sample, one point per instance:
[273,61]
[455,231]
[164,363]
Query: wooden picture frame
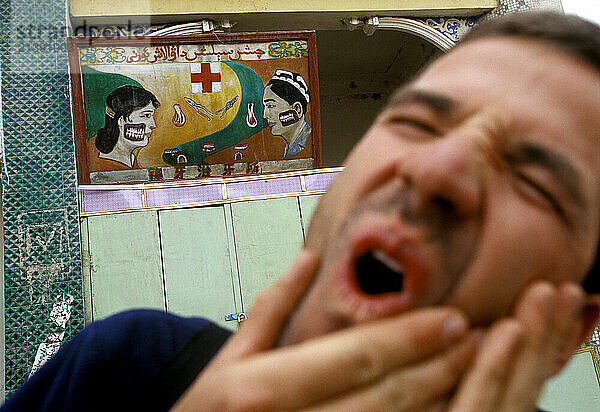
[187,107]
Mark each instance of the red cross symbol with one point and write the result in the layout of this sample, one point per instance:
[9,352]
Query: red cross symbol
[205,77]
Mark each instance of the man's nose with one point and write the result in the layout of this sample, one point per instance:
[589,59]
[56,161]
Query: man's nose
[444,173]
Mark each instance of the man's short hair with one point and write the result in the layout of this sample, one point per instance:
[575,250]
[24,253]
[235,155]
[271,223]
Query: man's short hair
[574,35]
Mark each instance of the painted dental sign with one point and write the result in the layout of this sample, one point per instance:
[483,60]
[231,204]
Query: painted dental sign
[194,152]
[193,110]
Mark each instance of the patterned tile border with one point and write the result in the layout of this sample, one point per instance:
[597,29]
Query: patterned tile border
[106,199]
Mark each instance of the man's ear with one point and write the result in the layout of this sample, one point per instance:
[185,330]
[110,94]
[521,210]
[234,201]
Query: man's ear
[589,319]
[121,121]
[298,109]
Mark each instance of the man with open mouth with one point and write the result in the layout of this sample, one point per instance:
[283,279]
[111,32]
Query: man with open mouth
[476,188]
[442,269]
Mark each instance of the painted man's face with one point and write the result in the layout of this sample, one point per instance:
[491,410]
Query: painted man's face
[138,126]
[278,113]
[480,176]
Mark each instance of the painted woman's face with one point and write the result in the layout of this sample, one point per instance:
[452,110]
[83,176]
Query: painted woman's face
[279,114]
[138,126]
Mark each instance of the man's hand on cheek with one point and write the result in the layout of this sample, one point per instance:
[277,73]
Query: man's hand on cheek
[519,353]
[410,362]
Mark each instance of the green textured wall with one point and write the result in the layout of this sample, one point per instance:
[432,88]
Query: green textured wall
[42,268]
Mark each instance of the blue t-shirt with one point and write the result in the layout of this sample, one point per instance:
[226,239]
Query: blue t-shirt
[135,360]
[140,360]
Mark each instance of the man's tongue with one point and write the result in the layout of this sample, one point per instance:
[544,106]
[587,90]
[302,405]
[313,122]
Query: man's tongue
[377,273]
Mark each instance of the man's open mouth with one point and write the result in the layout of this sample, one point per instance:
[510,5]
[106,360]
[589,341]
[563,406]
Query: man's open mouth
[383,272]
[377,273]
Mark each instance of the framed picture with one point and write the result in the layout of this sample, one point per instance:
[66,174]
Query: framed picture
[212,105]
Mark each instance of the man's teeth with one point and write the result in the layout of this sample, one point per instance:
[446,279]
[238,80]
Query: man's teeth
[381,256]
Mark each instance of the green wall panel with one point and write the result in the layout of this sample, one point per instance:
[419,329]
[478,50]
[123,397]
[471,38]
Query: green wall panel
[125,263]
[576,388]
[85,269]
[205,261]
[268,234]
[197,267]
[308,204]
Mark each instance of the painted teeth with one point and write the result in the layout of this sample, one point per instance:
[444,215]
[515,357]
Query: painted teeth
[135,135]
[381,256]
[135,132]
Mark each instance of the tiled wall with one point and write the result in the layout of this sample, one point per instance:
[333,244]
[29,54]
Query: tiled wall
[41,236]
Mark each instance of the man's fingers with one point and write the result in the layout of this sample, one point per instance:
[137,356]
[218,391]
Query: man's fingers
[483,388]
[272,309]
[568,324]
[551,317]
[344,361]
[520,353]
[507,374]
[423,386]
[325,368]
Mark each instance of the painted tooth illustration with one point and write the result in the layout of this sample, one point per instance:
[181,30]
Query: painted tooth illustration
[208,147]
[179,117]
[250,118]
[135,132]
[174,153]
